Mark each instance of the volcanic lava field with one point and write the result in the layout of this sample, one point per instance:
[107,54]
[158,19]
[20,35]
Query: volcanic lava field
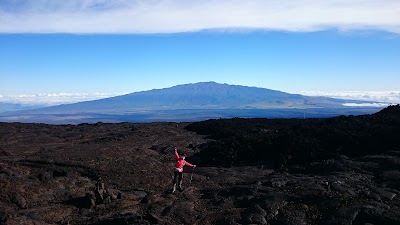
[340,170]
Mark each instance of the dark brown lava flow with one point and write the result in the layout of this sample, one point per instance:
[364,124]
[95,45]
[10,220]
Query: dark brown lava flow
[341,170]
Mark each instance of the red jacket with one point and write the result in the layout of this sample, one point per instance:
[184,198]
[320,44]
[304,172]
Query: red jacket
[180,163]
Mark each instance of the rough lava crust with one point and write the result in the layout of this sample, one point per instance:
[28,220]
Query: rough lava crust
[341,170]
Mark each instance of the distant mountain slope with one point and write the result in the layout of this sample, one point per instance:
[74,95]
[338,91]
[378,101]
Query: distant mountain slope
[205,95]
[190,102]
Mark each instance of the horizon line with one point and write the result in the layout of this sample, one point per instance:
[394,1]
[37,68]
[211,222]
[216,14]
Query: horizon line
[75,97]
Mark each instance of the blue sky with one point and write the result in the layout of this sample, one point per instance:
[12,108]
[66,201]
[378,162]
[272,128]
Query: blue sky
[97,48]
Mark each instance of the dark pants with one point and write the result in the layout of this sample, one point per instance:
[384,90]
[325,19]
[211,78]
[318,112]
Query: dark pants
[178,177]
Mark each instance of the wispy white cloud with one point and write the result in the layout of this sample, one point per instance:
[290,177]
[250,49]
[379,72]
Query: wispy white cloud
[374,104]
[170,16]
[54,98]
[390,97]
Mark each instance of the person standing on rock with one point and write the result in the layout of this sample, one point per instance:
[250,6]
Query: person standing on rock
[178,173]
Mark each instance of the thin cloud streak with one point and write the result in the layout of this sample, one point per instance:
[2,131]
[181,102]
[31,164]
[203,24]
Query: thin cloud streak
[390,97]
[174,16]
[55,98]
[375,104]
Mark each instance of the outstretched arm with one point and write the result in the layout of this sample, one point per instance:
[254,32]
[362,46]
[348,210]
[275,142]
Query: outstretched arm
[188,164]
[176,153]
